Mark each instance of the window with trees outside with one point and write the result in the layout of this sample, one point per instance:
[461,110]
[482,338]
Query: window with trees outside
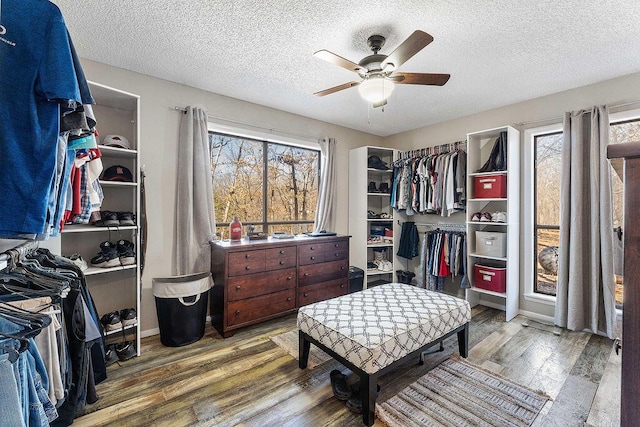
[547,152]
[269,186]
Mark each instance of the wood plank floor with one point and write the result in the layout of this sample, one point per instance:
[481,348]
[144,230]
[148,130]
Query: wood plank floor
[247,380]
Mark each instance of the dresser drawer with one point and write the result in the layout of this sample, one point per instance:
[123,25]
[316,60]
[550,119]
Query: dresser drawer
[249,286]
[337,254]
[277,258]
[342,245]
[310,254]
[246,262]
[251,309]
[322,291]
[316,273]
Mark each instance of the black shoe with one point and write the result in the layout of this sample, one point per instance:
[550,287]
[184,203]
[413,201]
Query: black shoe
[372,188]
[339,385]
[355,403]
[128,317]
[108,256]
[111,321]
[125,252]
[110,355]
[108,219]
[126,350]
[384,188]
[126,218]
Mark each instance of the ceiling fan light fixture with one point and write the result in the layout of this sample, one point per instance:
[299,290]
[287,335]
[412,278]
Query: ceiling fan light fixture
[375,88]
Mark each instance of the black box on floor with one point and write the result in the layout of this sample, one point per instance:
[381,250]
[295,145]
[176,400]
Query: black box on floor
[356,279]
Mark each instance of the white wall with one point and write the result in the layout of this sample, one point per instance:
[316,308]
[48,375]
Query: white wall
[612,92]
[159,124]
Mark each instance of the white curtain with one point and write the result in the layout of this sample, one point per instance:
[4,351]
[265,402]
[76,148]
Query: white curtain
[326,208]
[194,200]
[586,285]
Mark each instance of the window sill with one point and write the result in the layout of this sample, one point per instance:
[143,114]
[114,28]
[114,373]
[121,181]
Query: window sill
[540,299]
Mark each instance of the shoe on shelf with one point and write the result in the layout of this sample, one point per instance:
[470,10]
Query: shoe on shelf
[385,266]
[126,218]
[486,217]
[384,188]
[128,317]
[78,261]
[95,218]
[373,215]
[499,217]
[111,321]
[126,252]
[372,188]
[110,355]
[385,215]
[107,257]
[476,217]
[109,219]
[371,266]
[126,350]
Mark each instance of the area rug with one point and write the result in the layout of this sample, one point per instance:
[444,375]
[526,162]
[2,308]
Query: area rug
[289,342]
[458,393]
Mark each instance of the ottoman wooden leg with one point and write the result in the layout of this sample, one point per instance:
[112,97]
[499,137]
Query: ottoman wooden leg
[303,350]
[463,341]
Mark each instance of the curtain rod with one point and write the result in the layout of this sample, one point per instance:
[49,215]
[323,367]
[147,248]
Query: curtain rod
[270,130]
[624,104]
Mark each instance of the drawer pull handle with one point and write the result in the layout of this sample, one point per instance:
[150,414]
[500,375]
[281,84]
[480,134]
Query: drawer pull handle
[288,298]
[281,262]
[342,267]
[237,312]
[312,248]
[282,252]
[337,245]
[306,274]
[305,295]
[336,254]
[312,258]
[248,267]
[289,278]
[247,256]
[238,288]
[342,286]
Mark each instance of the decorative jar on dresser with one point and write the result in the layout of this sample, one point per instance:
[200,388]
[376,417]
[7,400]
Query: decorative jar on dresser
[259,280]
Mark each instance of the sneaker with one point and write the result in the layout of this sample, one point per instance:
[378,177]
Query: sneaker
[476,216]
[111,321]
[78,261]
[384,188]
[109,219]
[126,218]
[107,257]
[372,188]
[486,217]
[499,217]
[128,317]
[95,218]
[125,252]
[126,350]
[110,355]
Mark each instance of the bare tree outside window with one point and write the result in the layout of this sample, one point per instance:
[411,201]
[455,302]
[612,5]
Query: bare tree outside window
[273,187]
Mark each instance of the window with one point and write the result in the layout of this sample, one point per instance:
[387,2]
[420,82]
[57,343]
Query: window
[270,186]
[546,145]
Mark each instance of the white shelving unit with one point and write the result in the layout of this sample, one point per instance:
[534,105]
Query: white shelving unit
[479,145]
[116,288]
[361,201]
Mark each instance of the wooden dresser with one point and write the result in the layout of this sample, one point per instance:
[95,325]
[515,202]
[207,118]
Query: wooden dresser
[259,280]
[626,157]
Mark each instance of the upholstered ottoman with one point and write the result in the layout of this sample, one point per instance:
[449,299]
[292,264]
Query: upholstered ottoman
[374,331]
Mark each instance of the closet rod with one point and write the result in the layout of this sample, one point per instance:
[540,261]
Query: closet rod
[436,224]
[270,130]
[457,145]
[22,249]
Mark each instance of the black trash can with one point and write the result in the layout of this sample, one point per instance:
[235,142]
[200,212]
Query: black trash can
[181,304]
[356,279]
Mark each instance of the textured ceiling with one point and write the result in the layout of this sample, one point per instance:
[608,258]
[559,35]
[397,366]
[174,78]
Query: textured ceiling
[497,51]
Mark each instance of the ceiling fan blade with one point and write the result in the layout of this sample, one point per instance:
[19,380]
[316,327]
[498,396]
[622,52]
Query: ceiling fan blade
[380,104]
[420,79]
[338,60]
[336,88]
[412,45]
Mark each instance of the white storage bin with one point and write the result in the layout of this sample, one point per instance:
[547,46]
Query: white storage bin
[491,244]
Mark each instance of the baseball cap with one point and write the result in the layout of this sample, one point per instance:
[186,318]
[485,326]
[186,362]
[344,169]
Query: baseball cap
[374,162]
[117,173]
[116,141]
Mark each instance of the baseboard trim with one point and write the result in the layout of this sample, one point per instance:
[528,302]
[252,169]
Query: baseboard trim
[537,317]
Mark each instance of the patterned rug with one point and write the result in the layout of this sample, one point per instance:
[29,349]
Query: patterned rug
[289,342]
[458,393]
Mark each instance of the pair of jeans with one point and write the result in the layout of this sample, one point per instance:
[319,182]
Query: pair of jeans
[10,410]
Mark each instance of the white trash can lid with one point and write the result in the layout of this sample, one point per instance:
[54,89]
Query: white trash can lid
[182,286]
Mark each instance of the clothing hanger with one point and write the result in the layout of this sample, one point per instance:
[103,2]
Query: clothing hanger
[12,352]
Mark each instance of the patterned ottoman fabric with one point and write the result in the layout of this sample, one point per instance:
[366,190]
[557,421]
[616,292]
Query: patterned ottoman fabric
[378,326]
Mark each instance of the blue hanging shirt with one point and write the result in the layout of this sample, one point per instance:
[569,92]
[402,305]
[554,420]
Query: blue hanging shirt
[36,74]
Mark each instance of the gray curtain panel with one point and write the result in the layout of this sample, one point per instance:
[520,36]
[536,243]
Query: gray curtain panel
[326,209]
[586,285]
[195,218]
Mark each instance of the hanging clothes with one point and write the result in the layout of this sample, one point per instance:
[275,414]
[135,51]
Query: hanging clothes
[409,241]
[443,254]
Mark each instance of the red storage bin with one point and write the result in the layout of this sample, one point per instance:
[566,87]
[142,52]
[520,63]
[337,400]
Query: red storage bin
[490,186]
[490,278]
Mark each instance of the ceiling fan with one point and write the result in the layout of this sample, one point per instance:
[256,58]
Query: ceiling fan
[378,71]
